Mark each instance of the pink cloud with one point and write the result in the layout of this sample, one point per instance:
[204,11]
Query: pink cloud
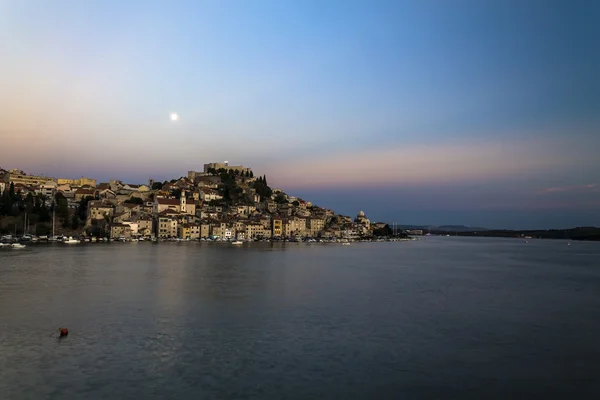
[526,205]
[567,188]
[421,165]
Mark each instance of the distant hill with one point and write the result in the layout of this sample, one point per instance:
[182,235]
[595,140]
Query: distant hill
[445,228]
[579,233]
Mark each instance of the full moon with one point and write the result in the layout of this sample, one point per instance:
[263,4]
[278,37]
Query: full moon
[174,117]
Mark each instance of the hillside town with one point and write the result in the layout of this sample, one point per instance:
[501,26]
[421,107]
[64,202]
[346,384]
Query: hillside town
[221,202]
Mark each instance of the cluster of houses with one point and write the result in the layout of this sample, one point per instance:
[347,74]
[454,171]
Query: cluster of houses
[192,208]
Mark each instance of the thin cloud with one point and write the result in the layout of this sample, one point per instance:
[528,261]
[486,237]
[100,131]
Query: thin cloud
[421,165]
[560,189]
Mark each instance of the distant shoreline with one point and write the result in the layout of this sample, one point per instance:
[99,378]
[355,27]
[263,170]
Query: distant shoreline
[581,233]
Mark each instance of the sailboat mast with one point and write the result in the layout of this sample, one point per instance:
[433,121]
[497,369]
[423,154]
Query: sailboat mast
[53,217]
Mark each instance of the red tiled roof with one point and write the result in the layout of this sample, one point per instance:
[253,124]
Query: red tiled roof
[165,212]
[85,191]
[168,202]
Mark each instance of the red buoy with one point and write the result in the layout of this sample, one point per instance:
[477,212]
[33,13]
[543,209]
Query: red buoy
[63,332]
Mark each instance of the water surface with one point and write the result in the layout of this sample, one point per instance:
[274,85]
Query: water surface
[439,318]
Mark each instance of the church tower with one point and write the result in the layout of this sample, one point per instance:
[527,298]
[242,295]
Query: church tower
[182,202]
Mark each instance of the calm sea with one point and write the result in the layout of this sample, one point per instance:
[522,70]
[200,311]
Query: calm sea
[438,318]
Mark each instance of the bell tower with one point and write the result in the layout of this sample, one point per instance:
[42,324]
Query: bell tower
[182,202]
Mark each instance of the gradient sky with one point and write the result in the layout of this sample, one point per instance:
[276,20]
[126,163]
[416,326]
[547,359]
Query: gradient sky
[419,112]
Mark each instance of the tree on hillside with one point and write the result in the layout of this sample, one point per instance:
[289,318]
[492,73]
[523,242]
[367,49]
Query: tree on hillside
[75,222]
[280,198]
[262,189]
[11,192]
[42,229]
[176,193]
[385,231]
[157,186]
[39,203]
[7,204]
[137,200]
[83,206]
[44,214]
[29,203]
[251,174]
[62,208]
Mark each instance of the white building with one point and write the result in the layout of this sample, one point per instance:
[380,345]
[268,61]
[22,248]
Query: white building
[134,227]
[48,189]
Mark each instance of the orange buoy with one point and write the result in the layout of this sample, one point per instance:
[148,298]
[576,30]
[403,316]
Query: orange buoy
[63,332]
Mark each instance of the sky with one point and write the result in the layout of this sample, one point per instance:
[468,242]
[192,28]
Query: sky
[429,112]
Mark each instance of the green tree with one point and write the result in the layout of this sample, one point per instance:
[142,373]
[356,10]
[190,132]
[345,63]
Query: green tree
[6,203]
[263,190]
[83,206]
[280,198]
[42,229]
[251,174]
[157,186]
[296,203]
[39,202]
[385,231]
[176,193]
[11,191]
[29,203]
[137,200]
[44,214]
[75,222]
[62,208]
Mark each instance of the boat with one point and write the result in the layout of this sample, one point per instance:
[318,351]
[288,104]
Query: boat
[345,243]
[237,242]
[17,246]
[70,240]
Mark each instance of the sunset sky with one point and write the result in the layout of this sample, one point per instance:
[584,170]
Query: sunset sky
[482,113]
